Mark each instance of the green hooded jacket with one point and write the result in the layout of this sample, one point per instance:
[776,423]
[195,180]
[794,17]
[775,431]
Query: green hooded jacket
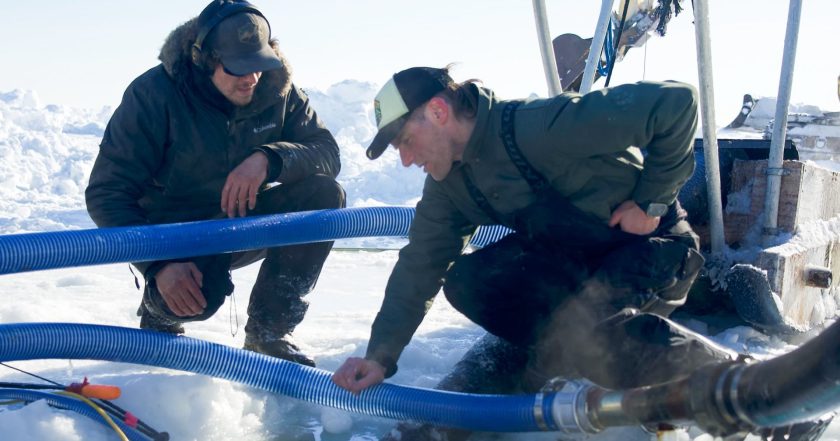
[583,145]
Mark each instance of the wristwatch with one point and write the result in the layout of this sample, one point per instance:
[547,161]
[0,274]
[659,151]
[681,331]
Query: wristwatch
[654,209]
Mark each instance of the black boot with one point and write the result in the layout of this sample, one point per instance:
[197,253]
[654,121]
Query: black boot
[279,348]
[159,324]
[276,307]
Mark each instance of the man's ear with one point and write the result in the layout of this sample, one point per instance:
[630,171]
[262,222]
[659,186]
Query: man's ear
[438,110]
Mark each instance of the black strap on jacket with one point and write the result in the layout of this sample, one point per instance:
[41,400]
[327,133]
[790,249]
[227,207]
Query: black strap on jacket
[508,135]
[478,197]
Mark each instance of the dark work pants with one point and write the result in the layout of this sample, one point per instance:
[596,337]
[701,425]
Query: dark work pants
[600,317]
[287,274]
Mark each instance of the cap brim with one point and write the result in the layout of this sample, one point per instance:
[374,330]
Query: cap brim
[384,137]
[261,61]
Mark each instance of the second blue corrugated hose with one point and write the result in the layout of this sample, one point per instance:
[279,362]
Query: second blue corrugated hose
[62,249]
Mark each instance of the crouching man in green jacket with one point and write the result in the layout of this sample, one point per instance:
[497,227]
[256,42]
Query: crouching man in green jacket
[600,254]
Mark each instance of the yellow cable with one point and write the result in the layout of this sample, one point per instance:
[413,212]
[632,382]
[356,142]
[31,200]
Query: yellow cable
[98,410]
[10,402]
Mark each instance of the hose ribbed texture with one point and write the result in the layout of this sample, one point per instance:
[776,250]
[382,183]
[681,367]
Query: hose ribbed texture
[69,404]
[494,413]
[40,251]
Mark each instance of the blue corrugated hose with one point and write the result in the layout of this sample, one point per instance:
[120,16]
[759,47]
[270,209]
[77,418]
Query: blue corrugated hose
[40,251]
[493,413]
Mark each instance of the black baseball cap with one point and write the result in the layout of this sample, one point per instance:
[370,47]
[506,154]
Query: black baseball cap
[239,34]
[404,92]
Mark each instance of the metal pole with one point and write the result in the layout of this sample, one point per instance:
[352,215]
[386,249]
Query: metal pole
[595,49]
[547,50]
[777,144]
[707,110]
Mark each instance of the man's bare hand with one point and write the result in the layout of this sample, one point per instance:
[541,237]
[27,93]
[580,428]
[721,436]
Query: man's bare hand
[632,219]
[242,185]
[179,284]
[357,374]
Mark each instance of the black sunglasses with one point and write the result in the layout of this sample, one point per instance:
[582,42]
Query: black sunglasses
[225,69]
[231,73]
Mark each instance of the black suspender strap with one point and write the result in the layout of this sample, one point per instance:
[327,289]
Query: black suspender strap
[478,197]
[508,135]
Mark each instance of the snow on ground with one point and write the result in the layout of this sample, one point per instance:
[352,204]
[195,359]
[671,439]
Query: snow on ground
[47,153]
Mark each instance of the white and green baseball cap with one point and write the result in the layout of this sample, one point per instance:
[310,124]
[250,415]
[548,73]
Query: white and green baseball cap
[404,92]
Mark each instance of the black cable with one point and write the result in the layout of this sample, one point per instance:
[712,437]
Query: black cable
[142,427]
[32,375]
[4,385]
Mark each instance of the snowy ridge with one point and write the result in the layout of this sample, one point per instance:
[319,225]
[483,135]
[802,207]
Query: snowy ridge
[45,158]
[347,110]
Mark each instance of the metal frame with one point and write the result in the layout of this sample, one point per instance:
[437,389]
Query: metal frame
[547,49]
[707,110]
[596,46]
[777,143]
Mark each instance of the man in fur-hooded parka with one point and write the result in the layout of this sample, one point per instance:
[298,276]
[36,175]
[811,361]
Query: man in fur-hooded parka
[206,135]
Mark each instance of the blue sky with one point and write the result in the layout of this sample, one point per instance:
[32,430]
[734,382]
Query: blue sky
[84,53]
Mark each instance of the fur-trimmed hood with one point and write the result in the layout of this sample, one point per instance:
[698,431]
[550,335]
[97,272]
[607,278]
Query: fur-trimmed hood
[176,57]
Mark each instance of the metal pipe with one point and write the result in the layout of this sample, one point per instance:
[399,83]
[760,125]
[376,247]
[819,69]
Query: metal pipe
[547,50]
[777,144]
[728,398]
[596,46]
[707,110]
[799,386]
